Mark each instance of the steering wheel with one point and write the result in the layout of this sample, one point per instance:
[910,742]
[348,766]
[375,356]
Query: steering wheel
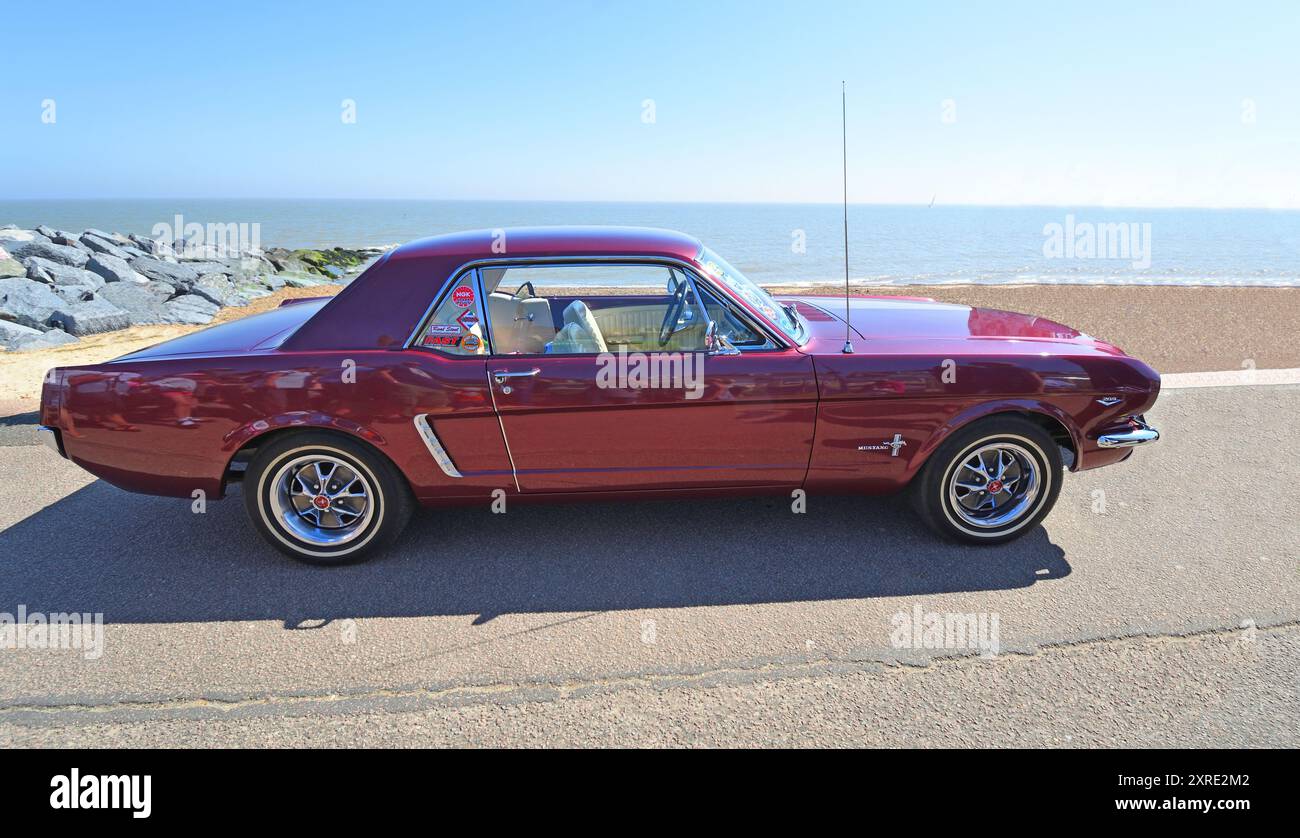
[673,313]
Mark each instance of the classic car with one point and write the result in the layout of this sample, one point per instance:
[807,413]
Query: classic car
[598,363]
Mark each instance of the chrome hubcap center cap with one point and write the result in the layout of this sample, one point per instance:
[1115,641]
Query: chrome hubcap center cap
[994,485]
[322,499]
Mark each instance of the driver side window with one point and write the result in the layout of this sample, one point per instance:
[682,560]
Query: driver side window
[583,309]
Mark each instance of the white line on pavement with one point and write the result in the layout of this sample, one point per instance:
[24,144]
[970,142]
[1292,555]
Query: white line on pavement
[1229,378]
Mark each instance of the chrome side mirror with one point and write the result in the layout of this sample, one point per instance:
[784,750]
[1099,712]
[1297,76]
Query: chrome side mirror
[717,344]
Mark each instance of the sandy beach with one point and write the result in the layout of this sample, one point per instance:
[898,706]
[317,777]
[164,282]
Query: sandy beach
[1175,329]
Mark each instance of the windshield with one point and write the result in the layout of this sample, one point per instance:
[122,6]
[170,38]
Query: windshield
[786,318]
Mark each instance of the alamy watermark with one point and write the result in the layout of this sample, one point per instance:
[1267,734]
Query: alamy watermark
[1129,240]
[651,371]
[36,630]
[214,240]
[921,629]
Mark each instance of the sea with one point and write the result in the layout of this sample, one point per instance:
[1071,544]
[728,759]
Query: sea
[789,244]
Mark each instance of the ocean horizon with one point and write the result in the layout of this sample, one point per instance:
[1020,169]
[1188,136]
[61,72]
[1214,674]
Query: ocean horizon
[788,244]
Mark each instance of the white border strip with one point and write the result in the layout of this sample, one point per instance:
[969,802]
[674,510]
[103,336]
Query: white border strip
[1229,378]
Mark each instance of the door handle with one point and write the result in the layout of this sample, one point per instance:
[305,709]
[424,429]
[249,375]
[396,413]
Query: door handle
[502,376]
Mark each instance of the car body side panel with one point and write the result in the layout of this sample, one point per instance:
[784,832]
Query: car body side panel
[884,389]
[171,427]
[748,423]
[169,419]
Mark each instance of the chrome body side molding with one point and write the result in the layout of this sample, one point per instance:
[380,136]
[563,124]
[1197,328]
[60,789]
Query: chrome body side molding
[432,442]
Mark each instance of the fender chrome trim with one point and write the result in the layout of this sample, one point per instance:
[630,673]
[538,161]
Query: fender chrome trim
[431,442]
[1138,433]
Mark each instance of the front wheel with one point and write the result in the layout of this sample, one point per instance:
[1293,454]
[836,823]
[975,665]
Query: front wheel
[325,499]
[991,482]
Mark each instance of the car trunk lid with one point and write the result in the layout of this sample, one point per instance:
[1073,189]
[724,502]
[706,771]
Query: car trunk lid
[259,332]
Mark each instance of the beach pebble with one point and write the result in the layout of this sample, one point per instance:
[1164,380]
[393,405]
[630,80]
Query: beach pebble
[53,273]
[9,266]
[215,288]
[74,293]
[151,247]
[112,238]
[191,308]
[176,275]
[17,338]
[46,249]
[90,317]
[207,267]
[14,235]
[303,281]
[114,269]
[251,291]
[103,245]
[12,334]
[67,239]
[28,302]
[197,251]
[161,290]
[143,304]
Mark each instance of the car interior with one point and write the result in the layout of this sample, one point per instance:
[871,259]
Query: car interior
[573,314]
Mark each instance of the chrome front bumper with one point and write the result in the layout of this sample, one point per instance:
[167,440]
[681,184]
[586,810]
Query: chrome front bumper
[50,437]
[1138,433]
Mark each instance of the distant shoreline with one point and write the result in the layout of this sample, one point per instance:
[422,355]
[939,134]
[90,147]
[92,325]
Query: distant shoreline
[787,243]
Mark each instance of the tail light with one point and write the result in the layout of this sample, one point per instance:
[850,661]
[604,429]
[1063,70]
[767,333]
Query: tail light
[52,396]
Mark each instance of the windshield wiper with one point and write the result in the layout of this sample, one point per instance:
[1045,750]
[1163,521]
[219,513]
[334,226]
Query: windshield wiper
[796,317]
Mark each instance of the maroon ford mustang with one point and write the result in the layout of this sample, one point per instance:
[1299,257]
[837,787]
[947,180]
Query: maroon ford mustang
[495,366]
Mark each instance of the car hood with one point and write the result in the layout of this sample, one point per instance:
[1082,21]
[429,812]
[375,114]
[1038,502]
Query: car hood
[917,318]
[259,332]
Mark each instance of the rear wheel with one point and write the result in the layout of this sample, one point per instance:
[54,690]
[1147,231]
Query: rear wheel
[325,499]
[991,482]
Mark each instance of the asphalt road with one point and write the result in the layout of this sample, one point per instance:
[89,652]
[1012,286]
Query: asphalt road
[1159,605]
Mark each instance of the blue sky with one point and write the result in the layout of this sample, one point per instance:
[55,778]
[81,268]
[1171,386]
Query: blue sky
[1123,104]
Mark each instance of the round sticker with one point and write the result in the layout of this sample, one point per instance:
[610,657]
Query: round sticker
[463,296]
[470,341]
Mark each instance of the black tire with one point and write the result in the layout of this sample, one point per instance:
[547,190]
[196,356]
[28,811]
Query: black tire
[377,522]
[933,490]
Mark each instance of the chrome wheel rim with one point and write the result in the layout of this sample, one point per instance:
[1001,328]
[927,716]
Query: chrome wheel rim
[322,499]
[994,485]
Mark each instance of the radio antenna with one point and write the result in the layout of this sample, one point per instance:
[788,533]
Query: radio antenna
[844,148]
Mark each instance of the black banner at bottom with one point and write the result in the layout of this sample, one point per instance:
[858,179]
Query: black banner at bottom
[248,787]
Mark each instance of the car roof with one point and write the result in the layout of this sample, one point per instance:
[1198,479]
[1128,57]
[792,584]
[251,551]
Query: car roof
[380,308]
[553,241]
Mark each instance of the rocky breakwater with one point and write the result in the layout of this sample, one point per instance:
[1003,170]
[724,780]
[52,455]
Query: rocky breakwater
[57,286]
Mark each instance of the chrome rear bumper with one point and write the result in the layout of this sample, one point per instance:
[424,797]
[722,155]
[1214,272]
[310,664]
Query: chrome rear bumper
[1138,433]
[50,437]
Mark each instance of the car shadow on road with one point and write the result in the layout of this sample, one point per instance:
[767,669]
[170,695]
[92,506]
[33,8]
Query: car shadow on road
[138,559]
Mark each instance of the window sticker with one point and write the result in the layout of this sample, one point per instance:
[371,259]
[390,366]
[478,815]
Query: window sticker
[471,341]
[463,296]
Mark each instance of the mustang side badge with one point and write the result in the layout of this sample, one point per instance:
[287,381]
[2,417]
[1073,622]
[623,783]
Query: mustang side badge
[892,444]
